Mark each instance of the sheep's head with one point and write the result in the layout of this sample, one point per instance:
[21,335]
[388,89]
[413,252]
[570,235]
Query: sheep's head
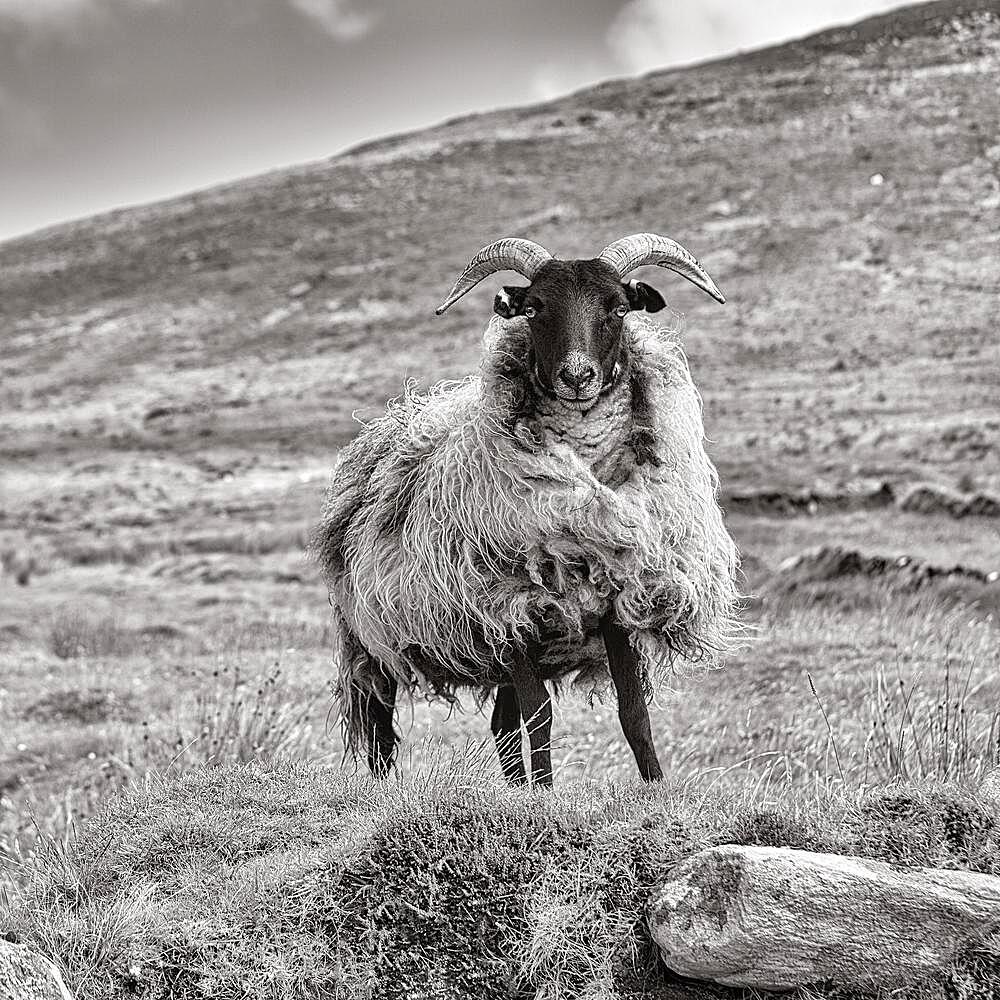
[576,308]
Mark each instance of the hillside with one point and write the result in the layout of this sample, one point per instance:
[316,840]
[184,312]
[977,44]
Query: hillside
[181,373]
[842,189]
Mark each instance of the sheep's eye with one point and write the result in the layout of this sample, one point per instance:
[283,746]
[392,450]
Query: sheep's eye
[529,311]
[622,311]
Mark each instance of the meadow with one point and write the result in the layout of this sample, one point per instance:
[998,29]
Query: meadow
[179,818]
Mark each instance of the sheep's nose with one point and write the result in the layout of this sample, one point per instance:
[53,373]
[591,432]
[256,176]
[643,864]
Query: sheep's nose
[578,376]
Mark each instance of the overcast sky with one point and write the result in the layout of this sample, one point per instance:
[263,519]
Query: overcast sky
[111,102]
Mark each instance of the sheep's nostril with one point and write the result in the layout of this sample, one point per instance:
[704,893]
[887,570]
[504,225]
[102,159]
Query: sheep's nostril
[577,376]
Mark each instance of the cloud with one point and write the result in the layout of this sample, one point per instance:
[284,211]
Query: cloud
[336,17]
[23,128]
[648,34]
[43,11]
[44,15]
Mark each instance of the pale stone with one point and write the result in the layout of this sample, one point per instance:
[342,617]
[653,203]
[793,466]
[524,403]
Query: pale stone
[25,975]
[989,788]
[777,918]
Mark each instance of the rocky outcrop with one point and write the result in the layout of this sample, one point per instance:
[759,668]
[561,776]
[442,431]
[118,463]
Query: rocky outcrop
[926,498]
[989,787]
[791,503]
[828,563]
[25,975]
[918,498]
[775,918]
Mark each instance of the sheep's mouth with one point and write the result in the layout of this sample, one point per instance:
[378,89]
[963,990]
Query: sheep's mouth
[578,400]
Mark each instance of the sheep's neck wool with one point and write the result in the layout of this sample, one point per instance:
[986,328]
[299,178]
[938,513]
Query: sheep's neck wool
[599,436]
[469,519]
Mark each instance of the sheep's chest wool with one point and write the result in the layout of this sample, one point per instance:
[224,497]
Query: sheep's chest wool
[599,436]
[454,530]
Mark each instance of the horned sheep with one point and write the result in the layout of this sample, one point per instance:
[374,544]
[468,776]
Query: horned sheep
[553,518]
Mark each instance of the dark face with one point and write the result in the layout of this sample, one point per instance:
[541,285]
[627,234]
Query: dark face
[575,309]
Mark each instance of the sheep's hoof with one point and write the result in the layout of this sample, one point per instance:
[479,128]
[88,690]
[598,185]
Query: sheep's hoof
[644,446]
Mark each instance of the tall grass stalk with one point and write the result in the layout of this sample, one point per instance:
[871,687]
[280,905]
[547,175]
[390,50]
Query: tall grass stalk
[918,733]
[245,718]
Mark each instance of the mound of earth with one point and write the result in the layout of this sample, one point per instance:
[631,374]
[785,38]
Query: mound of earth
[831,571]
[289,879]
[788,503]
[919,498]
[84,705]
[927,498]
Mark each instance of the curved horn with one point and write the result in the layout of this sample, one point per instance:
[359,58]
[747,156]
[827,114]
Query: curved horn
[630,252]
[508,254]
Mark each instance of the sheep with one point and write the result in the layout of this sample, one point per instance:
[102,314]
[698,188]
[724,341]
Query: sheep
[553,518]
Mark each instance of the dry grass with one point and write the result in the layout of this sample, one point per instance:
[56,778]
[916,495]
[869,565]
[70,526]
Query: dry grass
[74,632]
[265,881]
[242,718]
[260,691]
[75,746]
[920,731]
[221,866]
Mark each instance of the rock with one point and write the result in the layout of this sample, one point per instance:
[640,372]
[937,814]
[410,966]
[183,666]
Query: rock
[25,975]
[927,498]
[982,505]
[774,918]
[989,787]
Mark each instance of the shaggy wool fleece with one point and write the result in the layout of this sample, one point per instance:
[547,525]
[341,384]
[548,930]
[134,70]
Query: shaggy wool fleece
[472,518]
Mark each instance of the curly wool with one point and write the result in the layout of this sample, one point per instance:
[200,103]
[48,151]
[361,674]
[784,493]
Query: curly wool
[456,530]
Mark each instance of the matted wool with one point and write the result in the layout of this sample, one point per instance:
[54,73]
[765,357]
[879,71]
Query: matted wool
[456,530]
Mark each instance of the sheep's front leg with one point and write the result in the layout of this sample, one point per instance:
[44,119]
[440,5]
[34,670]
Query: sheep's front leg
[536,711]
[633,713]
[506,726]
[380,737]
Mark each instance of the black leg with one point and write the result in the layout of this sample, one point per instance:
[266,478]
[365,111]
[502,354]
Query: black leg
[380,737]
[506,725]
[633,713]
[536,711]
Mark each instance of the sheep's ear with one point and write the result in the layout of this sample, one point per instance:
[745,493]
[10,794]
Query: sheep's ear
[509,301]
[643,296]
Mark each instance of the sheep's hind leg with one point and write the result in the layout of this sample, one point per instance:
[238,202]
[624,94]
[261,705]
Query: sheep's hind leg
[380,737]
[536,711]
[506,726]
[633,713]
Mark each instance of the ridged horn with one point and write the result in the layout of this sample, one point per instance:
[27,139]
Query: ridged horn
[634,251]
[509,254]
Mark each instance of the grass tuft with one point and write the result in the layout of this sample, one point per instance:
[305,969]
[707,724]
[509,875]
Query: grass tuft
[937,730]
[74,633]
[243,718]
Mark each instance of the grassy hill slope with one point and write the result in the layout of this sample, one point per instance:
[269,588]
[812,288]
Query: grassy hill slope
[842,189]
[177,377]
